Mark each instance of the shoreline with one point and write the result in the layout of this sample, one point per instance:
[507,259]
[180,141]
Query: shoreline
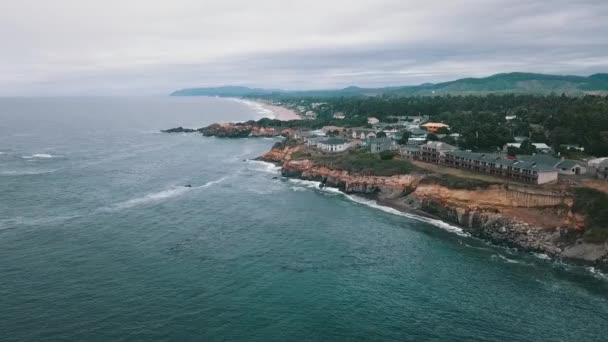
[280,112]
[393,207]
[271,111]
[482,213]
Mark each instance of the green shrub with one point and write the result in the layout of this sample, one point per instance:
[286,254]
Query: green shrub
[594,205]
[387,155]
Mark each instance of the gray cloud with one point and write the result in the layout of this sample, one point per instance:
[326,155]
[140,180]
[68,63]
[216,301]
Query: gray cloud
[141,47]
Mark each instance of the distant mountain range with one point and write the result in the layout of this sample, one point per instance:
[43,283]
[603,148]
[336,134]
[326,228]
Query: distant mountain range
[516,82]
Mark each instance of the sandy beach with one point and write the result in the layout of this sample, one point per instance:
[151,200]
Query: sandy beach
[281,113]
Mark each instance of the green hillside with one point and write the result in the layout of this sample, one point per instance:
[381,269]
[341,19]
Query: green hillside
[517,82]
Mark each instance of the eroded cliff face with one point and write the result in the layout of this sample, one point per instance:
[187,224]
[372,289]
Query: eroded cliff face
[529,218]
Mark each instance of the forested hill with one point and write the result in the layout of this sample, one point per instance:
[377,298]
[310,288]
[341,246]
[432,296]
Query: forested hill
[521,83]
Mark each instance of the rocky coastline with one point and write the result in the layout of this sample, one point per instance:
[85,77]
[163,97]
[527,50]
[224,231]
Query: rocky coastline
[527,218]
[233,130]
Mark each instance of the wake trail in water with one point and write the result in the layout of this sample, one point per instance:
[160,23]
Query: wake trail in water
[157,197]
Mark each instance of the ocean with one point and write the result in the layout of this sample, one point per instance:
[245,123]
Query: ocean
[101,240]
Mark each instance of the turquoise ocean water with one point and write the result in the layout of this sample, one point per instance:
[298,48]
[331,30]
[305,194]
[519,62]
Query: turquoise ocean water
[99,240]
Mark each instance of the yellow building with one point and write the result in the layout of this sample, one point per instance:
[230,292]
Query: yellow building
[434,126]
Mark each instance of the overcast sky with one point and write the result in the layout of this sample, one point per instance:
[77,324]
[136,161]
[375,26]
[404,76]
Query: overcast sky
[106,47]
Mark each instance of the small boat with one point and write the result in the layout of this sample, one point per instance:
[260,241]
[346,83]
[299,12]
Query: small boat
[187,186]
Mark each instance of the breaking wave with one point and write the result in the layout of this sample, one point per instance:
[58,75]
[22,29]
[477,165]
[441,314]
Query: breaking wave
[596,273]
[262,166]
[25,172]
[373,204]
[258,108]
[39,156]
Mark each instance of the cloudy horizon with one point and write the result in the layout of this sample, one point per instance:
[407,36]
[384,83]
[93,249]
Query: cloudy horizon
[93,47]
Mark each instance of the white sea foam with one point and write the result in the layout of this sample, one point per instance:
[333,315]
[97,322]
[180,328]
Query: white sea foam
[25,172]
[262,166]
[39,156]
[258,108]
[541,256]
[375,205]
[33,221]
[596,273]
[160,196]
[505,259]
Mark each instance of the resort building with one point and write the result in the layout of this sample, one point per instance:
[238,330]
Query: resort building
[434,152]
[434,126]
[372,120]
[377,145]
[563,166]
[334,145]
[409,152]
[339,116]
[494,164]
[599,168]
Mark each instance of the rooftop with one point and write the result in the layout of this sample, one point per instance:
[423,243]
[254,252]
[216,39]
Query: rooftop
[334,141]
[536,163]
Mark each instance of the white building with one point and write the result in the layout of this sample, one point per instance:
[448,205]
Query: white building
[540,147]
[334,145]
[339,116]
[599,168]
[363,134]
[372,120]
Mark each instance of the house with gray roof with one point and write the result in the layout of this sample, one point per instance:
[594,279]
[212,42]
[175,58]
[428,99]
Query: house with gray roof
[563,166]
[409,152]
[434,151]
[377,145]
[599,168]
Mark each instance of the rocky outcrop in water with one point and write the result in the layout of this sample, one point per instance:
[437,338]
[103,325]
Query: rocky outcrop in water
[179,129]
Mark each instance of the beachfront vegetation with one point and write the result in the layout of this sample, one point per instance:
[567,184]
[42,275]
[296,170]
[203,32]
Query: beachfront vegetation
[594,205]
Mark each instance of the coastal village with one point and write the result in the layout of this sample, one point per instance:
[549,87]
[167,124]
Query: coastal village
[423,144]
[432,144]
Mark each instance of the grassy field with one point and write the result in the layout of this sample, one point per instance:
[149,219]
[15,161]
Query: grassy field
[359,162]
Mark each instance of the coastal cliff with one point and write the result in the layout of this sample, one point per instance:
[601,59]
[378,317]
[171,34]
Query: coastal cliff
[529,218]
